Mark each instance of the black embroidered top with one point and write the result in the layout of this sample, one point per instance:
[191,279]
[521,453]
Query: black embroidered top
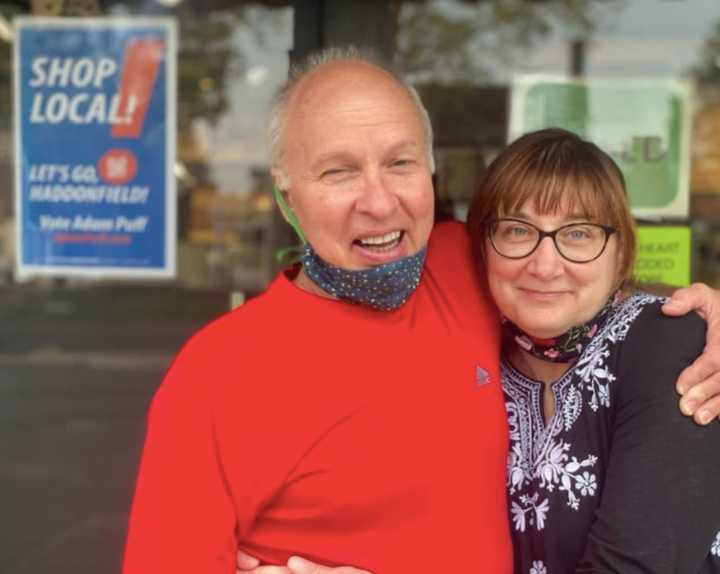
[619,480]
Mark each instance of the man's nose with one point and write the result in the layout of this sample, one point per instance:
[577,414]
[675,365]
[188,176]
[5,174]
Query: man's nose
[377,198]
[546,262]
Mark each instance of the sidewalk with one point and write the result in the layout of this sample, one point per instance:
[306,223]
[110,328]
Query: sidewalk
[78,371]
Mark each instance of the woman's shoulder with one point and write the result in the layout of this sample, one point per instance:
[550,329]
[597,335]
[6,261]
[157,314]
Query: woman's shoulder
[622,316]
[629,308]
[638,339]
[640,315]
[652,345]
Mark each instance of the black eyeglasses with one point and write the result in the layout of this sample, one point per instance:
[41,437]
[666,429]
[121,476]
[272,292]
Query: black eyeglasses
[576,242]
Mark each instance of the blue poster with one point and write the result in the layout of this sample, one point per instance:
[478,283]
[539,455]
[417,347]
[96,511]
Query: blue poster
[95,147]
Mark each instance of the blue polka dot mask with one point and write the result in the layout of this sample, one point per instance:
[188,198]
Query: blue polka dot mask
[384,287]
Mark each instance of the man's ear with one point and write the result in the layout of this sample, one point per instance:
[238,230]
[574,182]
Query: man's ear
[280,179]
[281,186]
[282,198]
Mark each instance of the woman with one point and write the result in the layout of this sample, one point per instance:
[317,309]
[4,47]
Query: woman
[604,474]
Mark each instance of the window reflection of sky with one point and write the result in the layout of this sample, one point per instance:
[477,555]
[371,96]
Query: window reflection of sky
[641,37]
[632,37]
[237,144]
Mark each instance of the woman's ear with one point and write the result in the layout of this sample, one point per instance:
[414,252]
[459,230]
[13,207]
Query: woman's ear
[623,276]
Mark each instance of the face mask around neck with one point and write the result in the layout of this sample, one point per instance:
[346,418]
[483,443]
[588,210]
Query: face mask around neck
[566,347]
[384,287]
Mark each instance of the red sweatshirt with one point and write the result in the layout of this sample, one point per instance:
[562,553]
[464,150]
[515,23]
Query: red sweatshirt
[303,425]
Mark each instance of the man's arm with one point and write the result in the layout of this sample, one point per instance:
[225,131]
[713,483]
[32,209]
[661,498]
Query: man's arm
[295,565]
[699,384]
[182,520]
[660,503]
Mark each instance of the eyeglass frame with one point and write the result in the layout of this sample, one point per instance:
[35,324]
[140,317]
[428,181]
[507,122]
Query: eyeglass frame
[542,234]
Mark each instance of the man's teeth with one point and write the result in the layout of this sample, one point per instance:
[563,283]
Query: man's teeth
[381,239]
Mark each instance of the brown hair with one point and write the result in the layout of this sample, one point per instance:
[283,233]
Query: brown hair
[554,169]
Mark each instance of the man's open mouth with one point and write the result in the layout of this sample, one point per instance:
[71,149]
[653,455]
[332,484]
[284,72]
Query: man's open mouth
[380,243]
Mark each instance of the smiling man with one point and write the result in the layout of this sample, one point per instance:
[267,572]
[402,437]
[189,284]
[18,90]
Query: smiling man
[356,172]
[353,411]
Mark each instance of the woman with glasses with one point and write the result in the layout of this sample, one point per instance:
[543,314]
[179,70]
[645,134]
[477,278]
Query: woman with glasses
[604,473]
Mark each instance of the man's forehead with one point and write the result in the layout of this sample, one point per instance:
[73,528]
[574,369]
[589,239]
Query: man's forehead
[351,137]
[343,73]
[337,109]
[350,91]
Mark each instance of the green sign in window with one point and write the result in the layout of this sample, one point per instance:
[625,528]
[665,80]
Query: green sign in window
[643,125]
[663,255]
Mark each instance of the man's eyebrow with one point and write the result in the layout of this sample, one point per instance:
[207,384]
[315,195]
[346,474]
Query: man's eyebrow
[343,156]
[332,156]
[412,145]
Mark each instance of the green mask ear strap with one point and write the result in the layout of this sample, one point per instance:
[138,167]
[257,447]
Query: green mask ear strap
[288,255]
[288,213]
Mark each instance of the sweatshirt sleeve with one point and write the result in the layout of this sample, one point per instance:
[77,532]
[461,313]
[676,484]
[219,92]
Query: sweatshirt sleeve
[182,518]
[660,507]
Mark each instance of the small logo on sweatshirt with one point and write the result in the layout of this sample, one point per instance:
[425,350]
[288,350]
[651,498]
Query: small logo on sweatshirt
[482,377]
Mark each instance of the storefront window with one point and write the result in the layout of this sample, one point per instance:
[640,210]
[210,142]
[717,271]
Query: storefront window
[464,57]
[82,357]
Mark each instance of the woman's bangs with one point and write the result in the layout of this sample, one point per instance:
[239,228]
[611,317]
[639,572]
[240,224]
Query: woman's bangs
[553,194]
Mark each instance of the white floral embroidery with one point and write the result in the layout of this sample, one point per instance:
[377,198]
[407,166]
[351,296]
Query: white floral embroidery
[549,464]
[572,408]
[715,548]
[517,474]
[597,379]
[591,366]
[538,567]
[587,484]
[538,457]
[556,470]
[531,512]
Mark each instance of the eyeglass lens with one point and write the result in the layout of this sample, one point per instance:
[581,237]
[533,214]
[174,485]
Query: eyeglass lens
[578,242]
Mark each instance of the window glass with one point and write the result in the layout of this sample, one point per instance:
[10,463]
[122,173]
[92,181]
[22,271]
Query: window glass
[82,358]
[463,56]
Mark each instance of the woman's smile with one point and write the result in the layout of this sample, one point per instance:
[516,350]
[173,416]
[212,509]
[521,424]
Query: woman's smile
[543,294]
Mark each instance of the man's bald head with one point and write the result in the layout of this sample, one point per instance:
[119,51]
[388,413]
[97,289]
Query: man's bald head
[344,65]
[352,161]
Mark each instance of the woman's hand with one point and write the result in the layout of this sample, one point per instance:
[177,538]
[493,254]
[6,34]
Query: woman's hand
[295,565]
[247,563]
[699,384]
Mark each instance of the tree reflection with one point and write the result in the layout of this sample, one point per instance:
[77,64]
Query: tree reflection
[468,42]
[708,70]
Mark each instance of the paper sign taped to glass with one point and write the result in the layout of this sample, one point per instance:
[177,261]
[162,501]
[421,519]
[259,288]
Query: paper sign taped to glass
[95,143]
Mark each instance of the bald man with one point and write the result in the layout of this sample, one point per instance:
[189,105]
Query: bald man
[362,387]
[352,412]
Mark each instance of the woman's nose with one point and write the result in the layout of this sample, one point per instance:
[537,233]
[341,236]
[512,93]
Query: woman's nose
[546,261]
